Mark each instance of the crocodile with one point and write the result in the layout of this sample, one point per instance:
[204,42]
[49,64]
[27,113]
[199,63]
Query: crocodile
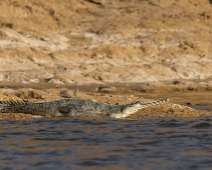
[74,107]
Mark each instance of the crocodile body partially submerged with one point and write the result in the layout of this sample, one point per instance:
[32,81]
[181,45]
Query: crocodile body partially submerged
[74,107]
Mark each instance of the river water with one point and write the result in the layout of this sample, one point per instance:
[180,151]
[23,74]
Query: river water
[150,143]
[109,144]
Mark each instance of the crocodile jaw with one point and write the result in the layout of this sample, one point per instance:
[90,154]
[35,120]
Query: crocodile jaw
[127,111]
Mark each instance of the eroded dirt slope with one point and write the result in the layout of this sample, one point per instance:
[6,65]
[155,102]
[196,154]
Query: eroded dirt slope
[82,41]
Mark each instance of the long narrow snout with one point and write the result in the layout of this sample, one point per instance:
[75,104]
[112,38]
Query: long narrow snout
[130,109]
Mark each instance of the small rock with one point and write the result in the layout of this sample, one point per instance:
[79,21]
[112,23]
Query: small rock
[202,86]
[154,87]
[143,88]
[68,93]
[56,81]
[106,89]
[209,87]
[36,80]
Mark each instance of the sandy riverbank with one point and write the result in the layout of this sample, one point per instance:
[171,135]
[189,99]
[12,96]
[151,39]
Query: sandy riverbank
[109,95]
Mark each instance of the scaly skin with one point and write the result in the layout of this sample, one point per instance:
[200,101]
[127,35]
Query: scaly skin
[74,107]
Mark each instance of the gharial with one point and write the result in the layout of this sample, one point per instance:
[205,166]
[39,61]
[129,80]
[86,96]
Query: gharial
[74,107]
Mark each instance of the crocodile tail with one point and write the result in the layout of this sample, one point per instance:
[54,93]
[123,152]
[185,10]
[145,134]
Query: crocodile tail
[10,106]
[23,107]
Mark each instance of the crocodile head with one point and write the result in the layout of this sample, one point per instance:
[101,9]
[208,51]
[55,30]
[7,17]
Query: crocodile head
[127,110]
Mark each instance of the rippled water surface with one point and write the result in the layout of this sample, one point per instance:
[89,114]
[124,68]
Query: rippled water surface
[106,144]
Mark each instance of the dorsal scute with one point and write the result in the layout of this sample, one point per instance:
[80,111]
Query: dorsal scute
[12,102]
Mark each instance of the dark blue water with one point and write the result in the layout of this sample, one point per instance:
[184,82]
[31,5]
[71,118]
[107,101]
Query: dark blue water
[106,144]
